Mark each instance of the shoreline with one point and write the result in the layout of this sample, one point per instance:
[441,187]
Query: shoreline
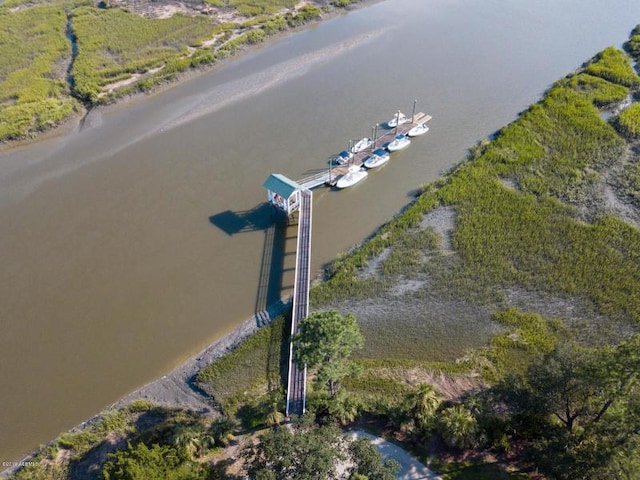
[75,122]
[177,388]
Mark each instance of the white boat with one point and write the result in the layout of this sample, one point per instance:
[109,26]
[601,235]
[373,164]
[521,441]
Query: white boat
[401,141]
[353,176]
[361,145]
[377,158]
[398,119]
[343,157]
[418,130]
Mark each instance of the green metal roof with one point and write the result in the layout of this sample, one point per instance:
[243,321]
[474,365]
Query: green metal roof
[281,185]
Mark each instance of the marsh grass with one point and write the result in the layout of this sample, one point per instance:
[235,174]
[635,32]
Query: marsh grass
[629,121]
[34,94]
[256,366]
[633,44]
[113,44]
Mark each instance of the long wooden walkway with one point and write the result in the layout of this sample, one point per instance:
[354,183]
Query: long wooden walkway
[330,176]
[296,384]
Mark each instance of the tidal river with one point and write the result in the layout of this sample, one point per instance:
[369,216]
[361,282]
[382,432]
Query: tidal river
[133,243]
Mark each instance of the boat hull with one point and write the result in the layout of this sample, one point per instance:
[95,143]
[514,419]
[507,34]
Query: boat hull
[350,179]
[376,161]
[418,130]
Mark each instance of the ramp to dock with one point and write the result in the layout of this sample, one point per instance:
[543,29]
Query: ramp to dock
[296,384]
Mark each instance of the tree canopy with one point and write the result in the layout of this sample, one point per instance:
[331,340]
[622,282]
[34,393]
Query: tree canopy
[579,409]
[324,342]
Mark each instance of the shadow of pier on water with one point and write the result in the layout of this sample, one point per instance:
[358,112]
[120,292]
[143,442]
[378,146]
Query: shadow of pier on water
[269,302]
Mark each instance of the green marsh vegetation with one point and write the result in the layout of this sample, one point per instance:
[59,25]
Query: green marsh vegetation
[34,55]
[113,44]
[252,371]
[254,7]
[43,80]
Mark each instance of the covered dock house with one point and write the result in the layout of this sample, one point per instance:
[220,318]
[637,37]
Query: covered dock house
[283,193]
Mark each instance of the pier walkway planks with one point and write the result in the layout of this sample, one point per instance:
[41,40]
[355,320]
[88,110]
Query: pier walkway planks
[296,384]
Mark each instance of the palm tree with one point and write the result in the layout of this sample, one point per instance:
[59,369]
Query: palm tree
[344,408]
[458,427]
[422,404]
[275,416]
[187,440]
[221,429]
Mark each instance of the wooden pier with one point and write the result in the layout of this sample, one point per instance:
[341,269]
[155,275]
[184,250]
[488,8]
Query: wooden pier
[331,175]
[290,196]
[296,384]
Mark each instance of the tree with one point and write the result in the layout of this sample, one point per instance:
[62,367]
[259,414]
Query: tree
[458,427]
[369,464]
[160,462]
[325,341]
[186,439]
[275,416]
[579,409]
[221,430]
[421,405]
[344,407]
[288,454]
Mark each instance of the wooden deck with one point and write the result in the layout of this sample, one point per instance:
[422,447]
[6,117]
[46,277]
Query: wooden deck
[296,384]
[330,176]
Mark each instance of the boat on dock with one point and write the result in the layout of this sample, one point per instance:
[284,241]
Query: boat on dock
[399,119]
[418,130]
[361,145]
[377,158]
[354,175]
[343,157]
[400,142]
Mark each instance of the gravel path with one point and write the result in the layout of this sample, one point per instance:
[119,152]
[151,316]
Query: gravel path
[411,468]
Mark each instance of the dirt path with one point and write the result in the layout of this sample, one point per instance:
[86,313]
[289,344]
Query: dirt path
[411,468]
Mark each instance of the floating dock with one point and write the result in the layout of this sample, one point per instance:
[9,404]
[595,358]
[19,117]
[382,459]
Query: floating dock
[331,176]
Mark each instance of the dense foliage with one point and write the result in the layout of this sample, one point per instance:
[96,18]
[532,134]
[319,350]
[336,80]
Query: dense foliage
[578,410]
[310,453]
[139,462]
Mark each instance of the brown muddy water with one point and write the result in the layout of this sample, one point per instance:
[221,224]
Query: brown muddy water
[133,243]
